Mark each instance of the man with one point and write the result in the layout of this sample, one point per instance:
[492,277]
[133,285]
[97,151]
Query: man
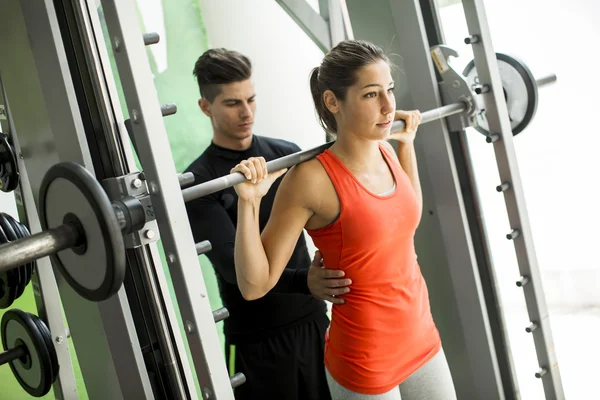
[278,340]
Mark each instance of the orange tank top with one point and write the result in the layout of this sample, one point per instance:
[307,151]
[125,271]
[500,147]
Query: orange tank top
[384,331]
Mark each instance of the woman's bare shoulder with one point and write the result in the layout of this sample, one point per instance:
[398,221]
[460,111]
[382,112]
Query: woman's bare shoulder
[304,180]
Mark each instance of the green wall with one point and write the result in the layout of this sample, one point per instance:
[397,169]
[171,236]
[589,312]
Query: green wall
[189,133]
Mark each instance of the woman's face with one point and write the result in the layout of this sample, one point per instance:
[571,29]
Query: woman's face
[369,107]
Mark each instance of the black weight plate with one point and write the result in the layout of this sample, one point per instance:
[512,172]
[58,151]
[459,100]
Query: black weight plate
[96,270]
[8,289]
[49,343]
[520,92]
[20,274]
[9,175]
[35,376]
[9,281]
[22,232]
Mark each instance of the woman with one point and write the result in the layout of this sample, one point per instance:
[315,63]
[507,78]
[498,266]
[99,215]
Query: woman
[361,203]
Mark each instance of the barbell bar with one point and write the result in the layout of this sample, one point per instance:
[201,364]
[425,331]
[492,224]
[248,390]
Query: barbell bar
[224,182]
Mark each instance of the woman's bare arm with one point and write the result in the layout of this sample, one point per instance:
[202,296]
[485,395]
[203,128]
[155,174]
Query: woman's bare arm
[261,259]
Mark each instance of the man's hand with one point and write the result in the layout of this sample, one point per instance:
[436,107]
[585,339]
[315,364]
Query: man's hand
[326,284]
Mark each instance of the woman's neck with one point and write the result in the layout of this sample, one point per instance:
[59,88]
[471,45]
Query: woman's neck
[358,154]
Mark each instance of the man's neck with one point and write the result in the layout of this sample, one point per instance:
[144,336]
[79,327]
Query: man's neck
[232,143]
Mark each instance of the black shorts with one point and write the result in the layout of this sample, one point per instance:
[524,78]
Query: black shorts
[285,366]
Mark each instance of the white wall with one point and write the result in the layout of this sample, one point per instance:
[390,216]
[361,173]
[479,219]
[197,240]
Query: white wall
[282,57]
[557,153]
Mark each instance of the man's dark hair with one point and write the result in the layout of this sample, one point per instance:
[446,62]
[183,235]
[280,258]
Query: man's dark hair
[220,66]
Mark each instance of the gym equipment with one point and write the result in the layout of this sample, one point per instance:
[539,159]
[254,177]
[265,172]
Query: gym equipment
[520,92]
[288,161]
[76,214]
[29,350]
[14,281]
[9,174]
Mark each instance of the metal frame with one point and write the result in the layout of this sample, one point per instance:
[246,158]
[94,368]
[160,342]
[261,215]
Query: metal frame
[37,77]
[313,24]
[479,370]
[499,123]
[45,289]
[464,169]
[164,351]
[151,138]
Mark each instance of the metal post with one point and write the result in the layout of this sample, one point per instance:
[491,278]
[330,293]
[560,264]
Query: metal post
[151,138]
[43,282]
[108,352]
[498,119]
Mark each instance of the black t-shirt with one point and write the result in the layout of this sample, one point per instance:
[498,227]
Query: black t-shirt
[214,218]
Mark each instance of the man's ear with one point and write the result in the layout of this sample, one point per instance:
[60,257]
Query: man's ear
[331,102]
[205,107]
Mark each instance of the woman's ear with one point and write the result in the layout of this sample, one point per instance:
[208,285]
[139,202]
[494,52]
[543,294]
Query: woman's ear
[331,102]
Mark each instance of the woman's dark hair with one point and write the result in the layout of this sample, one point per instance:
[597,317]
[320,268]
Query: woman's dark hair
[338,71]
[220,66]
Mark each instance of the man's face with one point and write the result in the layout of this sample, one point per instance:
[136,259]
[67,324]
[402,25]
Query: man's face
[233,109]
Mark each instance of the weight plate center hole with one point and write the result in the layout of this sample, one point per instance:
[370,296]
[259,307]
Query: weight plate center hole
[81,245]
[25,359]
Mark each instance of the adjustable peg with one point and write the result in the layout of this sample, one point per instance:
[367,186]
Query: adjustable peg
[151,38]
[513,235]
[203,247]
[531,327]
[168,109]
[523,281]
[482,89]
[503,187]
[492,138]
[237,380]
[220,314]
[472,39]
[541,372]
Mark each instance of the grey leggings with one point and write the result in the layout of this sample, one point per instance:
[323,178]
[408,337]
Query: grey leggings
[430,382]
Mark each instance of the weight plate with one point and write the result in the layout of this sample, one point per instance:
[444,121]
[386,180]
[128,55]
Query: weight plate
[9,280]
[9,175]
[95,269]
[520,92]
[11,234]
[22,232]
[43,328]
[8,289]
[33,372]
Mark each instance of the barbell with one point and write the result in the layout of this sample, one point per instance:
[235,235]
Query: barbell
[514,76]
[83,230]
